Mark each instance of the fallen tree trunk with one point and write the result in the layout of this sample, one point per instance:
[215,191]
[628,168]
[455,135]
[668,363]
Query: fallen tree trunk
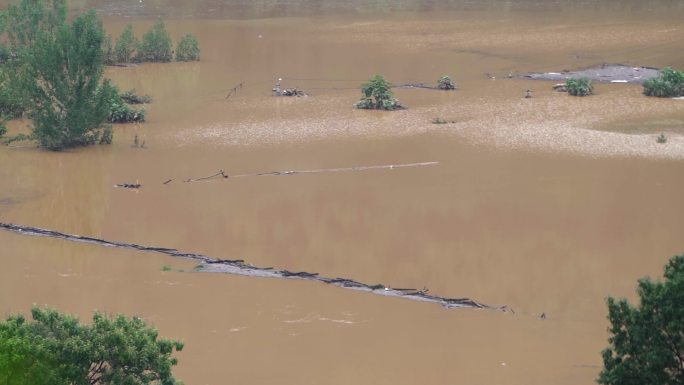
[239,267]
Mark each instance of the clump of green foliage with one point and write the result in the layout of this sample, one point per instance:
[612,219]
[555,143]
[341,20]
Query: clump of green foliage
[67,98]
[11,98]
[131,97]
[445,83]
[668,83]
[187,48]
[647,341]
[55,348]
[108,51]
[377,95]
[126,45]
[156,45]
[121,112]
[579,86]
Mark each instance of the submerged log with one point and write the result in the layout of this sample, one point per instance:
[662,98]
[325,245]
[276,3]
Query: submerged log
[239,267]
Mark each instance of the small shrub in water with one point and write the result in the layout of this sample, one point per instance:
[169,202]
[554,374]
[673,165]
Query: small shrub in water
[166,268]
[445,83]
[120,112]
[187,49]
[377,95]
[661,138]
[668,83]
[131,97]
[579,87]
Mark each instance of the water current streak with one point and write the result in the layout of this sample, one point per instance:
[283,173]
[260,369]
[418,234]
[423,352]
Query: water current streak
[239,267]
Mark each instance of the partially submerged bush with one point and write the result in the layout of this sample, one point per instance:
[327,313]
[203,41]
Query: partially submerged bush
[131,97]
[377,95]
[120,112]
[445,83]
[579,86]
[668,83]
[187,49]
[126,45]
[156,45]
[661,138]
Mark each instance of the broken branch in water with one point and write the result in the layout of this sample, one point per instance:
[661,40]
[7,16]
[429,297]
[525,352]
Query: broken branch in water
[129,185]
[316,171]
[239,267]
[221,173]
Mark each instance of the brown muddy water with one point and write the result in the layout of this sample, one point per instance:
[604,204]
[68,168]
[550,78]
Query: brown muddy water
[546,205]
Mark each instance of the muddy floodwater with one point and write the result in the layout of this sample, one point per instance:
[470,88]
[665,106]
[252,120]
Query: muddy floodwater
[545,205]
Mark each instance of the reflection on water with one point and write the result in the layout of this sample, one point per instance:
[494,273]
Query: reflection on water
[539,231]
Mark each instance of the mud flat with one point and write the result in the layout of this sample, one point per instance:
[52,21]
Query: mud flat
[605,73]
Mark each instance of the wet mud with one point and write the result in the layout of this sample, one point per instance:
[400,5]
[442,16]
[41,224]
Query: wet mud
[605,73]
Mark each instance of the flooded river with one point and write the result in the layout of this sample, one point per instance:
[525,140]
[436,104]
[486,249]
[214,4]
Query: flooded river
[545,205]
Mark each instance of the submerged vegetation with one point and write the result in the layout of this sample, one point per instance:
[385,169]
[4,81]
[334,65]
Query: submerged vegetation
[377,95]
[445,83]
[55,348]
[579,87]
[647,341]
[52,71]
[155,45]
[187,48]
[668,83]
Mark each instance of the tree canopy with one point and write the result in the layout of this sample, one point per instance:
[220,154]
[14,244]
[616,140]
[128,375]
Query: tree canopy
[377,94]
[57,349]
[647,341]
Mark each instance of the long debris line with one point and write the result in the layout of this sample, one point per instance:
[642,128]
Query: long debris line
[239,267]
[224,175]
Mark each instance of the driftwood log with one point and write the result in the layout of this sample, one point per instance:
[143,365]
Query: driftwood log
[239,267]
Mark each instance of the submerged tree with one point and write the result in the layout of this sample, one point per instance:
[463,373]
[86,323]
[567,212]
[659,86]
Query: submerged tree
[58,349]
[125,46]
[647,341]
[187,48]
[377,95]
[156,45]
[68,101]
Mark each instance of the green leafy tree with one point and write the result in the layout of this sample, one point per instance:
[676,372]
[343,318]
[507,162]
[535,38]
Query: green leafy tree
[57,349]
[125,46]
[668,83]
[21,25]
[647,341]
[377,94]
[579,86]
[187,48]
[68,101]
[27,21]
[156,45]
